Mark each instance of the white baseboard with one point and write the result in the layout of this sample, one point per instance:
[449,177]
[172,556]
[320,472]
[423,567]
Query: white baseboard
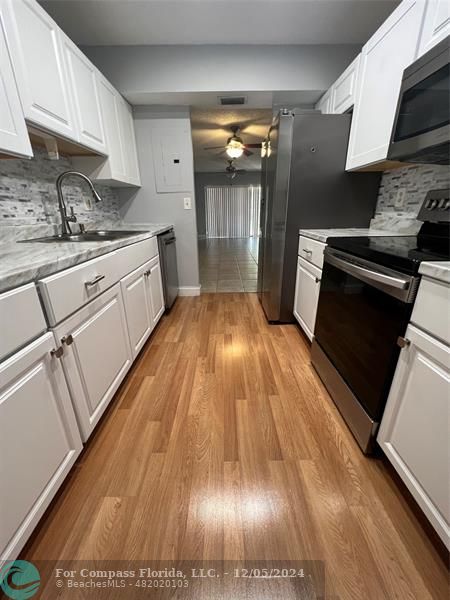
[189,290]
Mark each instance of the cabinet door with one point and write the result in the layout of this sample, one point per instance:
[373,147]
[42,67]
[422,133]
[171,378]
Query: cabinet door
[39,440]
[110,107]
[129,143]
[324,104]
[307,289]
[414,431]
[436,24]
[344,89]
[13,132]
[37,55]
[156,290]
[390,50]
[84,86]
[97,356]
[138,310]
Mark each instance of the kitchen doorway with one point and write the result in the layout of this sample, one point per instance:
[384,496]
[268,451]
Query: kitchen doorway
[228,254]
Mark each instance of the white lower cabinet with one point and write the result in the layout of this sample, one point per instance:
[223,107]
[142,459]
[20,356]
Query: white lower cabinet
[156,290]
[144,302]
[307,289]
[414,432]
[138,309]
[39,439]
[97,355]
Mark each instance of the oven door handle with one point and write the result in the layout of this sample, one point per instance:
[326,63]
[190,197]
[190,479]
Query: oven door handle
[368,274]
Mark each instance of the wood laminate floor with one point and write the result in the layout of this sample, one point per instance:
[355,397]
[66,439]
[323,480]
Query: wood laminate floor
[223,444]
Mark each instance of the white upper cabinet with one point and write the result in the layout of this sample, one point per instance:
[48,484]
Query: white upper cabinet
[390,50]
[343,91]
[121,167]
[114,167]
[37,54]
[341,95]
[128,143]
[324,104]
[436,24]
[13,132]
[84,80]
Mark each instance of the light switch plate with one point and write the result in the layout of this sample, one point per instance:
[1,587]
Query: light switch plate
[187,203]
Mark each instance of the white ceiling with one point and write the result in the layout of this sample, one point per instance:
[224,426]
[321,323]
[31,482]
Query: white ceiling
[211,127]
[131,22]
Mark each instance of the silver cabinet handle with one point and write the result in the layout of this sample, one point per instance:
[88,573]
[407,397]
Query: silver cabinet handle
[67,339]
[94,281]
[403,342]
[57,352]
[306,251]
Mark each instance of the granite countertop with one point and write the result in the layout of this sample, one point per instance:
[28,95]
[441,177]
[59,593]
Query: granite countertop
[322,235]
[436,270]
[21,263]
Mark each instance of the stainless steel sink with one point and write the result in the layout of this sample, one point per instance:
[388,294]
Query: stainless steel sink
[102,235]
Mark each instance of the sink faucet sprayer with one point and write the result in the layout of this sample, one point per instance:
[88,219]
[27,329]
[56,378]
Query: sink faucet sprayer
[65,218]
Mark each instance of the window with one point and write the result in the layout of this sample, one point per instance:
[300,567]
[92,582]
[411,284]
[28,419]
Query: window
[232,211]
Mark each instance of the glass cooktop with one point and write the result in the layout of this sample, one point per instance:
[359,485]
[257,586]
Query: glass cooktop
[403,253]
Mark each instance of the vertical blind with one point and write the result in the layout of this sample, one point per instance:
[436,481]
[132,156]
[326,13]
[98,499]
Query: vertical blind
[232,211]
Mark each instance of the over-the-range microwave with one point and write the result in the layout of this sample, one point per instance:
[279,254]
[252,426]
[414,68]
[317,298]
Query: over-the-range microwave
[421,131]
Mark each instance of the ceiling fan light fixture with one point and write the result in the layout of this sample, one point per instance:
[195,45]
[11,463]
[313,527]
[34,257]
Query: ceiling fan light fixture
[234,148]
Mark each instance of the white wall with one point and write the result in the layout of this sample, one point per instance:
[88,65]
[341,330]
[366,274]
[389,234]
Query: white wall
[142,71]
[147,205]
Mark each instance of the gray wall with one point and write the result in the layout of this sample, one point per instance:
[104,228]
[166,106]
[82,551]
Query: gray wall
[147,205]
[28,193]
[416,180]
[204,179]
[139,71]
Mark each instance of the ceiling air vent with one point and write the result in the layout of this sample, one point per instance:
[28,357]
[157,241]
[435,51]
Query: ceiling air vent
[232,100]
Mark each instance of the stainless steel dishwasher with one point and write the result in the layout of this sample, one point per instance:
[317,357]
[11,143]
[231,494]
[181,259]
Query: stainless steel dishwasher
[169,271]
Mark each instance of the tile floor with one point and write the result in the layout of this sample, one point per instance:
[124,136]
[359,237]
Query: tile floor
[228,265]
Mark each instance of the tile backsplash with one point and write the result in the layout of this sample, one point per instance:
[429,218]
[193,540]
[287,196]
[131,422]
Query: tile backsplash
[28,193]
[416,180]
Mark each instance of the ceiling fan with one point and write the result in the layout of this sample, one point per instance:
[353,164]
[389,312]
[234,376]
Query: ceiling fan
[235,147]
[231,170]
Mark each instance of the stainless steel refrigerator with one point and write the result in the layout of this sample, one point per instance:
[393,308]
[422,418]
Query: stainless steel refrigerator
[305,186]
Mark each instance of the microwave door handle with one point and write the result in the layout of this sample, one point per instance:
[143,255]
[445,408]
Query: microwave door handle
[368,274]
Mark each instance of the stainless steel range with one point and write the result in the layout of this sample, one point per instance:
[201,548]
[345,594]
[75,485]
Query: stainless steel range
[366,298]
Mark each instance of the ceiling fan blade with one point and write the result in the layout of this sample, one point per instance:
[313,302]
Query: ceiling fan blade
[213,148]
[248,152]
[253,145]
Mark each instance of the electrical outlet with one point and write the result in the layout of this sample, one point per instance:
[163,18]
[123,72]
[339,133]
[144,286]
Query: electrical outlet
[400,198]
[187,203]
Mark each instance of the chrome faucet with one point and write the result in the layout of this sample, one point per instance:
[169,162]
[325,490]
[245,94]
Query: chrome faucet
[70,218]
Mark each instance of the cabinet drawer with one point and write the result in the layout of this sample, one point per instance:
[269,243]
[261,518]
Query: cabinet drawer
[431,309]
[133,256]
[311,250]
[21,318]
[65,292]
